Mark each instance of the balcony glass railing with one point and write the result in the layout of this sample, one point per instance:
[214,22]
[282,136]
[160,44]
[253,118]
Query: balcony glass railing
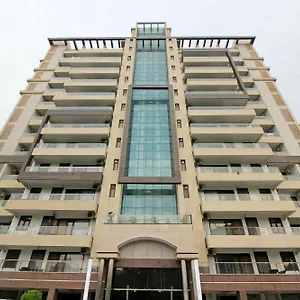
[10,177]
[115,81]
[281,153]
[77,125]
[23,153]
[92,108]
[62,266]
[231,125]
[64,169]
[271,134]
[250,231]
[148,219]
[219,108]
[71,145]
[291,177]
[22,196]
[226,197]
[231,145]
[226,169]
[255,102]
[46,230]
[263,118]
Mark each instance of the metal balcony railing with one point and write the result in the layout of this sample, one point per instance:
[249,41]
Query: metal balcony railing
[64,169]
[148,219]
[77,125]
[226,197]
[71,145]
[231,145]
[46,230]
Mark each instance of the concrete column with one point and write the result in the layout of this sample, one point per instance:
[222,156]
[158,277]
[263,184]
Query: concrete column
[87,279]
[109,279]
[184,280]
[241,295]
[51,294]
[196,279]
[99,284]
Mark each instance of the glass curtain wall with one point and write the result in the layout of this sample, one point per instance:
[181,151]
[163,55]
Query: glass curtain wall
[150,141]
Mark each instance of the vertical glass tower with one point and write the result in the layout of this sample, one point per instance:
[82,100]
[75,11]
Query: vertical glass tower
[150,139]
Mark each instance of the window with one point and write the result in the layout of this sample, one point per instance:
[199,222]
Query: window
[171,48]
[118,143]
[56,193]
[128,68]
[130,48]
[177,107]
[173,68]
[112,190]
[129,58]
[183,165]
[126,79]
[265,194]
[175,92]
[116,164]
[44,167]
[243,193]
[186,193]
[174,79]
[256,168]
[121,124]
[124,92]
[276,225]
[34,193]
[219,195]
[226,227]
[131,40]
[181,144]
[236,168]
[172,57]
[24,222]
[11,258]
[179,125]
[123,105]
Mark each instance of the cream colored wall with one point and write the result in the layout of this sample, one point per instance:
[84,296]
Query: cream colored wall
[110,176]
[186,205]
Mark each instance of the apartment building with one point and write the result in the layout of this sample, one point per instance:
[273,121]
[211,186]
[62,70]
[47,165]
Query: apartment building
[151,167]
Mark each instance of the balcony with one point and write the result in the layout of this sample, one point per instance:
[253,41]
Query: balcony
[220,114]
[220,98]
[209,133]
[81,115]
[35,122]
[198,51]
[84,99]
[39,204]
[95,73]
[223,178]
[265,122]
[45,236]
[42,107]
[148,219]
[89,62]
[291,184]
[209,85]
[210,61]
[233,209]
[272,138]
[81,177]
[216,72]
[10,183]
[91,85]
[27,139]
[71,152]
[258,106]
[252,238]
[94,53]
[243,153]
[85,133]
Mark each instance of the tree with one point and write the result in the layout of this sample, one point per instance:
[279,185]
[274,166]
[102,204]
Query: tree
[32,295]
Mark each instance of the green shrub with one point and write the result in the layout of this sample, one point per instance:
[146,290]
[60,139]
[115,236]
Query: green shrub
[32,295]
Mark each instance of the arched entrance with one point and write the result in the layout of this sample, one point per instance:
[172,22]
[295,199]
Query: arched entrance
[147,269]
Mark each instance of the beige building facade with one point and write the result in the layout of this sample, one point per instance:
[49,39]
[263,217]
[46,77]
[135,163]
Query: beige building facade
[151,167]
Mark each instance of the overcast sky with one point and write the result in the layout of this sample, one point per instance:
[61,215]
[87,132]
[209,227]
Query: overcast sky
[26,24]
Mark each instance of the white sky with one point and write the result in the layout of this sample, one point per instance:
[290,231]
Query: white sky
[26,24]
